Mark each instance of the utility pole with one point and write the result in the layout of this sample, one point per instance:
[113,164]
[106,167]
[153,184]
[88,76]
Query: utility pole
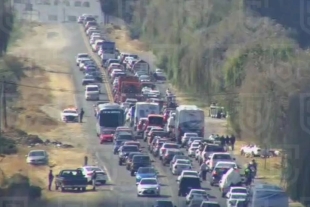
[5,121]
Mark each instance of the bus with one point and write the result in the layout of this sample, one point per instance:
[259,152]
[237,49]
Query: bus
[189,118]
[143,109]
[109,117]
[108,50]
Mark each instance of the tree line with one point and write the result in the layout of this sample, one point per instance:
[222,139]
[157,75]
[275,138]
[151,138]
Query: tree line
[226,52]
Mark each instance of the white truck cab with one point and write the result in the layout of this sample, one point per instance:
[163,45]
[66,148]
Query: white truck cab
[92,92]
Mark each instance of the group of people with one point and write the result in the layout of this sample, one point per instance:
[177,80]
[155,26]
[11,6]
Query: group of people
[226,141]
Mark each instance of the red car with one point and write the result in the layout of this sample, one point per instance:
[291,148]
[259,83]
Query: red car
[106,136]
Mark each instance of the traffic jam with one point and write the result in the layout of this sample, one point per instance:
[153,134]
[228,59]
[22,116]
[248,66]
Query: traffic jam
[146,125]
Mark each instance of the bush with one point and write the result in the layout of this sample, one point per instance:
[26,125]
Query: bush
[19,185]
[7,146]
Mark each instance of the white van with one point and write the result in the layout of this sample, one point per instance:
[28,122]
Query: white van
[231,178]
[143,109]
[92,92]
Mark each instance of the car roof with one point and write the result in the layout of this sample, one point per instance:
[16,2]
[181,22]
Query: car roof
[149,179]
[220,153]
[37,151]
[238,194]
[182,160]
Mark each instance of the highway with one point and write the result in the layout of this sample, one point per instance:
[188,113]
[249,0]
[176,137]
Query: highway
[121,189]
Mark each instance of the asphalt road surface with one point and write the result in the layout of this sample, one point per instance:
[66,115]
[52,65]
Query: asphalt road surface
[121,189]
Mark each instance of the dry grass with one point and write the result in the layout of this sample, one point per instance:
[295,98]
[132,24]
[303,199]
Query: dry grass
[38,110]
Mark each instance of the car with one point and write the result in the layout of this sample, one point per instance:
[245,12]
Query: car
[187,172]
[70,179]
[130,157]
[139,161]
[163,203]
[196,194]
[106,136]
[117,145]
[88,172]
[124,151]
[69,115]
[148,187]
[178,168]
[81,56]
[165,147]
[192,149]
[145,172]
[234,197]
[169,154]
[186,136]
[37,157]
[210,204]
[217,157]
[176,157]
[251,151]
[233,190]
[124,136]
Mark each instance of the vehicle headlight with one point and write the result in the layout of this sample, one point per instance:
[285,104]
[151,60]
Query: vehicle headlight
[157,188]
[138,177]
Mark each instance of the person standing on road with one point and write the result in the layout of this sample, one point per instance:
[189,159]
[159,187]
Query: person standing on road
[93,179]
[203,171]
[50,179]
[232,142]
[81,114]
[222,138]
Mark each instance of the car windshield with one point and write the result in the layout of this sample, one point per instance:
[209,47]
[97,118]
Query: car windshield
[169,146]
[214,148]
[130,149]
[226,165]
[37,153]
[210,205]
[222,157]
[164,204]
[183,161]
[70,111]
[83,56]
[139,158]
[238,196]
[146,170]
[199,192]
[148,182]
[195,145]
[119,142]
[190,134]
[125,137]
[190,173]
[95,88]
[93,169]
[239,190]
[108,132]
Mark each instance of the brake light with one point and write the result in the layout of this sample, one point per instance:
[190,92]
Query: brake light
[214,173]
[89,174]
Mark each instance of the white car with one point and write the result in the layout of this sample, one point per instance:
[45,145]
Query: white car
[37,157]
[251,151]
[146,90]
[217,157]
[225,164]
[88,171]
[196,194]
[187,135]
[178,168]
[187,172]
[166,146]
[148,187]
[234,198]
[192,149]
[69,115]
[81,56]
[234,190]
[157,70]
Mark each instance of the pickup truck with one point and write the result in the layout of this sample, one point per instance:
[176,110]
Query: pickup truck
[71,179]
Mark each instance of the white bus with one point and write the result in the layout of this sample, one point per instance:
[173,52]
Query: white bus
[189,118]
[109,117]
[143,109]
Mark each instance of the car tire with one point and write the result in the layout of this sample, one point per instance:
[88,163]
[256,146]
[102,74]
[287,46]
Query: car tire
[132,173]
[63,189]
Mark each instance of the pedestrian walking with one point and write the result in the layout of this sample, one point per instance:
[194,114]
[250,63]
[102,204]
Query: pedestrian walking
[203,171]
[93,179]
[81,114]
[50,179]
[232,142]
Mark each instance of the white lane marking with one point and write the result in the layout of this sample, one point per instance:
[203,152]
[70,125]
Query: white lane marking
[111,187]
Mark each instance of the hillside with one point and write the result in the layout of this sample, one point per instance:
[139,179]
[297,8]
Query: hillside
[251,58]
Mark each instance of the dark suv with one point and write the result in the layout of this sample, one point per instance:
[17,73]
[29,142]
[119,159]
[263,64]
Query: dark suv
[139,161]
[124,151]
[187,183]
[129,158]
